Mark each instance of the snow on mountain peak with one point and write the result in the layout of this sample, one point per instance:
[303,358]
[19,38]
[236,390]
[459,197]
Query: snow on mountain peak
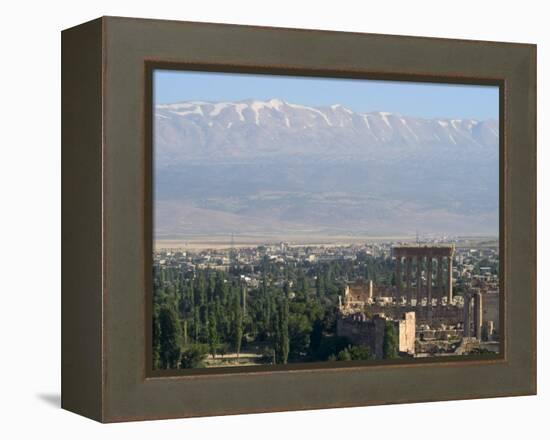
[273,117]
[342,108]
[276,103]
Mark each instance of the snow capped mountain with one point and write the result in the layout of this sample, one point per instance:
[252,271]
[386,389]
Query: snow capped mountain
[275,167]
[251,128]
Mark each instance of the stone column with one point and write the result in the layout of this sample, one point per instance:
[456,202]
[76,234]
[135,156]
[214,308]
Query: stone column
[418,278]
[398,277]
[450,280]
[478,315]
[466,323]
[408,262]
[440,288]
[429,268]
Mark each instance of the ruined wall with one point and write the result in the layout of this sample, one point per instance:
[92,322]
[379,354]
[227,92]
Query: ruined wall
[362,331]
[490,308]
[370,332]
[434,316]
[407,333]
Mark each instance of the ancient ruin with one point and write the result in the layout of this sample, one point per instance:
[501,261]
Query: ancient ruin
[424,257]
[369,332]
[441,324]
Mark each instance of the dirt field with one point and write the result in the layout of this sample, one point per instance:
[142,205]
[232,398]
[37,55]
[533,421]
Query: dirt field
[198,243]
[217,242]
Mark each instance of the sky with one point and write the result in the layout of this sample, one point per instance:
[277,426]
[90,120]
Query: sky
[427,100]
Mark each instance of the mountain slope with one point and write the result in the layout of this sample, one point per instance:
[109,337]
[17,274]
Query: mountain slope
[279,167]
[255,129]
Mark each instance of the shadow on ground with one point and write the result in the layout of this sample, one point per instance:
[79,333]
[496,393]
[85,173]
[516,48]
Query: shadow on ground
[52,399]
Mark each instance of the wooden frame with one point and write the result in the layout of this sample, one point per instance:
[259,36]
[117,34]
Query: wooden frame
[106,214]
[152,65]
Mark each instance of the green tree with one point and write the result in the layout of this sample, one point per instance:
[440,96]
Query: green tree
[212,332]
[301,283]
[360,353]
[344,355]
[223,349]
[316,335]
[170,337]
[319,291]
[196,324]
[330,346]
[156,337]
[193,356]
[391,342]
[299,329]
[237,331]
[220,289]
[353,353]
[282,340]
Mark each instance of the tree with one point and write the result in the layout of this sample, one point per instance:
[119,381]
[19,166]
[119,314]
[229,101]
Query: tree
[156,337]
[237,332]
[170,337]
[212,332]
[223,349]
[301,283]
[344,355]
[319,291]
[391,342]
[193,356]
[282,341]
[220,290]
[298,329]
[268,356]
[316,335]
[330,347]
[353,353]
[360,353]
[196,323]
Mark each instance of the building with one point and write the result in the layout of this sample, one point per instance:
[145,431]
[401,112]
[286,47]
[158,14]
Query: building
[357,295]
[363,331]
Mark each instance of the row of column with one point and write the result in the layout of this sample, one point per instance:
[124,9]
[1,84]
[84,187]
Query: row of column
[441,288]
[475,318]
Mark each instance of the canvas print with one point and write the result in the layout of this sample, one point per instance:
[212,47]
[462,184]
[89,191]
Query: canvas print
[322,220]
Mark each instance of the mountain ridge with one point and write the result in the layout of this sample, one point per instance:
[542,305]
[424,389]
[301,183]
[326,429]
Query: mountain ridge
[254,128]
[277,167]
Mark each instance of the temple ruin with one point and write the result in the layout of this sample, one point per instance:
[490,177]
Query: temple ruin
[424,258]
[369,332]
[426,297]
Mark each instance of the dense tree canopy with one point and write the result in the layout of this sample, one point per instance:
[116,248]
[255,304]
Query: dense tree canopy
[289,316]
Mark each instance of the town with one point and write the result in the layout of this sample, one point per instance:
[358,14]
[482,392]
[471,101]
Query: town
[284,303]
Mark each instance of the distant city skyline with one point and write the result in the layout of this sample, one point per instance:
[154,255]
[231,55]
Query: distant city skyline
[427,100]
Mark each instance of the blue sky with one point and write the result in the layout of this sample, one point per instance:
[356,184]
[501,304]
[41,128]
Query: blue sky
[428,100]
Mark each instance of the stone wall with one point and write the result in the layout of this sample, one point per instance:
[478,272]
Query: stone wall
[407,333]
[370,332]
[491,308]
[362,331]
[448,315]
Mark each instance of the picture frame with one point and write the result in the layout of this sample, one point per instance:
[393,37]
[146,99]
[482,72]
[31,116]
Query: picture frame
[107,217]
